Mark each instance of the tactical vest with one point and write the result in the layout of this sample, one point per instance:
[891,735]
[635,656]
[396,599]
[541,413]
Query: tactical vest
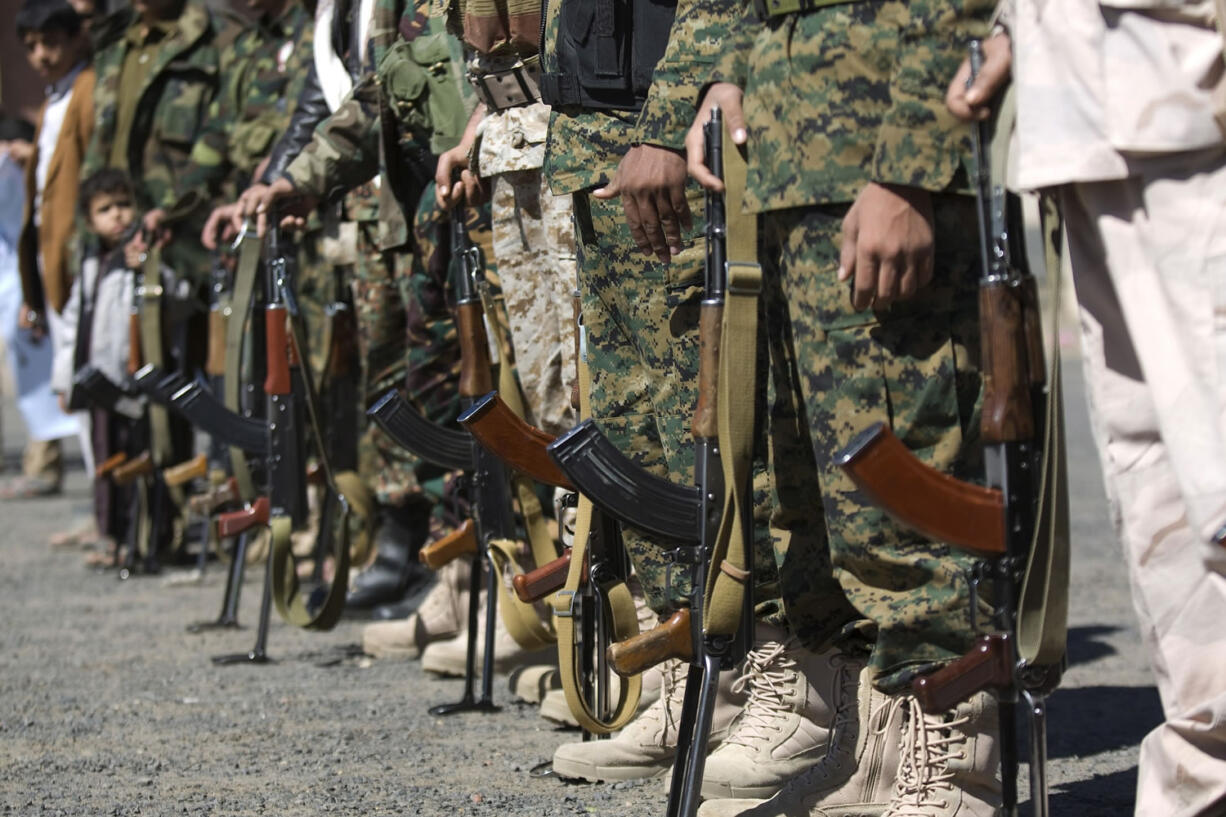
[606,51]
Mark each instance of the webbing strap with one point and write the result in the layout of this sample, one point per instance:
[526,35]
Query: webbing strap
[285,589]
[1042,614]
[730,569]
[621,613]
[1042,619]
[521,620]
[539,539]
[239,310]
[160,445]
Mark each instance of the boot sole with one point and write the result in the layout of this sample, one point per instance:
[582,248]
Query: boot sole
[606,774]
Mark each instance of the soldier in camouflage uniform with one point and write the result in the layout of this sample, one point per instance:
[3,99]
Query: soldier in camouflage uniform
[504,144]
[860,176]
[389,127]
[641,280]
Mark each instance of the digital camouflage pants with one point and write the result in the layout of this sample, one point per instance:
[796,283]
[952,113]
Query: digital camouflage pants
[913,366]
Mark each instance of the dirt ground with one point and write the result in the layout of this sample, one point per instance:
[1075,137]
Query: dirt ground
[108,707]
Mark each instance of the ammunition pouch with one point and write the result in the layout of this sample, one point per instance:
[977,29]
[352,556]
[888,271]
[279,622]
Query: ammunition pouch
[606,52]
[512,87]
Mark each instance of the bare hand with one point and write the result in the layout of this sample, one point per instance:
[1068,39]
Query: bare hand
[887,244]
[20,151]
[31,321]
[470,188]
[134,252]
[258,201]
[727,97]
[974,103]
[152,222]
[651,182]
[218,229]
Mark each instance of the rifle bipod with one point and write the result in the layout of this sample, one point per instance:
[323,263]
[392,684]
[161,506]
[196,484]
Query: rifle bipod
[227,619]
[258,653]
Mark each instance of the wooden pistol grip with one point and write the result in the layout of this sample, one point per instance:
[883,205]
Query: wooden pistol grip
[516,443]
[989,665]
[135,354]
[706,414]
[277,346]
[536,584]
[205,504]
[937,505]
[133,469]
[1007,415]
[670,639]
[184,472]
[215,364]
[475,377]
[459,542]
[110,464]
[235,522]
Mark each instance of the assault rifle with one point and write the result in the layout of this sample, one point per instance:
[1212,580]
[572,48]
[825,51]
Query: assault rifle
[997,523]
[458,450]
[691,516]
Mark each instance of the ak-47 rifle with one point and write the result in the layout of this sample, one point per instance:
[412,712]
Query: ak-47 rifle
[456,449]
[710,520]
[999,523]
[101,391]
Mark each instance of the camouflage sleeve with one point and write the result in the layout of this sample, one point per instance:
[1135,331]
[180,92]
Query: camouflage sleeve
[732,65]
[344,151]
[918,137]
[695,42]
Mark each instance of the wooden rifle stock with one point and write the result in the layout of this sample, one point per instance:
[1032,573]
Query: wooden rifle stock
[235,522]
[940,507]
[136,357]
[460,542]
[475,378]
[215,364]
[209,501]
[1007,412]
[277,343]
[184,472]
[536,584]
[520,445]
[133,469]
[672,638]
[110,464]
[989,665]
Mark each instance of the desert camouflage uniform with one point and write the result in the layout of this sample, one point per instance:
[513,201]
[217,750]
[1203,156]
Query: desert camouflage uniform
[173,101]
[387,126]
[836,98]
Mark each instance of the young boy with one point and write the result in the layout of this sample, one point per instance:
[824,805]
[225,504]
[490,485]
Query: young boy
[57,47]
[94,326]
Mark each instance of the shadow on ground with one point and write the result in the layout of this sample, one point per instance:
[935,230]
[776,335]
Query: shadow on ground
[1108,795]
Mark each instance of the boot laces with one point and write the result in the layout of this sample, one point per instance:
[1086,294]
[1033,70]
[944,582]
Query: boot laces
[842,745]
[929,742]
[663,716]
[767,671]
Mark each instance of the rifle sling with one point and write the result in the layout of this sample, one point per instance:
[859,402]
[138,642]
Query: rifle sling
[160,445]
[729,572]
[310,613]
[239,308]
[1042,612]
[622,616]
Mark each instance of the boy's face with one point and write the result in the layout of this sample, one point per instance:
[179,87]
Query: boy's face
[110,214]
[53,53]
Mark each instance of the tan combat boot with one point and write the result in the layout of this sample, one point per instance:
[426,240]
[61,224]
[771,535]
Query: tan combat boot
[648,744]
[785,725]
[449,657]
[855,778]
[554,707]
[442,614]
[949,762]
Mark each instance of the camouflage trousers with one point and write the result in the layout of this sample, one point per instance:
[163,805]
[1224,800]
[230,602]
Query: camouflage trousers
[913,366]
[534,245]
[641,326]
[390,290]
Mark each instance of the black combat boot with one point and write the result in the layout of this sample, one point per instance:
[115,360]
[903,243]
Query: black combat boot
[396,571]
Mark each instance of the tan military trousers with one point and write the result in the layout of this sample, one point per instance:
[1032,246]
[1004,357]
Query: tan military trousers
[1149,263]
[534,247]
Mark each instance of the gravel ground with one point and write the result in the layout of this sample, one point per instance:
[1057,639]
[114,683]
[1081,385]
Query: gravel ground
[108,707]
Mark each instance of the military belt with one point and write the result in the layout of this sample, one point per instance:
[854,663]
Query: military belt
[766,9]
[512,87]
